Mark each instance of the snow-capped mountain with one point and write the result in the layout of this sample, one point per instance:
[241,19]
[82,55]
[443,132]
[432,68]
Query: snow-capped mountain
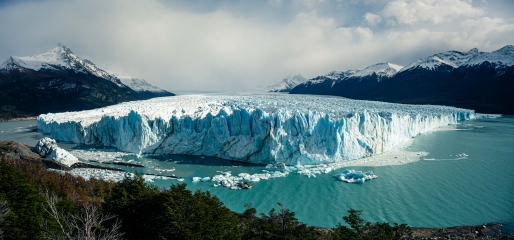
[337,75]
[483,81]
[500,58]
[379,69]
[286,84]
[58,58]
[58,80]
[139,84]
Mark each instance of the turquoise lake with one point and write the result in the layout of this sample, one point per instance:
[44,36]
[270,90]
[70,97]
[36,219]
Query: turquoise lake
[437,191]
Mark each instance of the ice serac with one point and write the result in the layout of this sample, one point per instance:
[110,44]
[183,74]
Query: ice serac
[265,129]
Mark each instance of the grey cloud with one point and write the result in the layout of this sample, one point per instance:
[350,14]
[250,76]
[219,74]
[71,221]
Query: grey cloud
[231,46]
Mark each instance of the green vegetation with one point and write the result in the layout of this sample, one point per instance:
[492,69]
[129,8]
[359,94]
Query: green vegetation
[24,201]
[360,229]
[177,213]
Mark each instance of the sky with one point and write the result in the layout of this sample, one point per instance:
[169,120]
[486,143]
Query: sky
[234,46]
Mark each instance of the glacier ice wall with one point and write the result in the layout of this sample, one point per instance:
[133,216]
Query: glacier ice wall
[294,129]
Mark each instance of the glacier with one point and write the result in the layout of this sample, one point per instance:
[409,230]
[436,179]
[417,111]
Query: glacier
[267,128]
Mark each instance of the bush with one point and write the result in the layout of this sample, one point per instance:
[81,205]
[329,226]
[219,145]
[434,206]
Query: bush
[360,229]
[148,213]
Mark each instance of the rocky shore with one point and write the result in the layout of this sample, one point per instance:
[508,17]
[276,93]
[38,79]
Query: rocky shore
[21,151]
[485,231]
[8,118]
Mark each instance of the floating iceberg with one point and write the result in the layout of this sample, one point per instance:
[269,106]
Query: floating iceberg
[352,176]
[289,129]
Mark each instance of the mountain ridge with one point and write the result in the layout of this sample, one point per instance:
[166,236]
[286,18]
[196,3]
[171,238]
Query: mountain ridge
[57,81]
[286,84]
[478,80]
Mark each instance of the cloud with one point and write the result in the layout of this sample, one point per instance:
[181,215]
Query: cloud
[434,11]
[223,50]
[372,19]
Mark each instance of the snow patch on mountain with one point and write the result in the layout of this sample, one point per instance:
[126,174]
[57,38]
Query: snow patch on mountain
[138,84]
[292,129]
[59,58]
[501,58]
[337,75]
[286,84]
[380,69]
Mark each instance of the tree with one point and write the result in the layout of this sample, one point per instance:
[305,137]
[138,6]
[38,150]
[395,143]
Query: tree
[283,224]
[132,200]
[24,202]
[4,211]
[177,213]
[87,225]
[249,224]
[360,229]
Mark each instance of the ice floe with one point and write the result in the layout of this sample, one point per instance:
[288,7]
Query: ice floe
[47,147]
[352,176]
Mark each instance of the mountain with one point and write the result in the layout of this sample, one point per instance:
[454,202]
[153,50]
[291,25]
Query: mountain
[60,58]
[286,84]
[57,81]
[483,81]
[142,87]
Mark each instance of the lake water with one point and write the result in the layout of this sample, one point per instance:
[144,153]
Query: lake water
[441,190]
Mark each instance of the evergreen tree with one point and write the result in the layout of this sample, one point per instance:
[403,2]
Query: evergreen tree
[25,203]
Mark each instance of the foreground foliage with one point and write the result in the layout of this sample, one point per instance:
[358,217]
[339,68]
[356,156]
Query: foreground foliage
[177,213]
[360,229]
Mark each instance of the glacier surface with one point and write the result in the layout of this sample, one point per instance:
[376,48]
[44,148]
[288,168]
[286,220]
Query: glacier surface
[292,129]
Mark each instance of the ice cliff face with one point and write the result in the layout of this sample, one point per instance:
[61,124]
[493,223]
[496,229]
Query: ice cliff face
[291,129]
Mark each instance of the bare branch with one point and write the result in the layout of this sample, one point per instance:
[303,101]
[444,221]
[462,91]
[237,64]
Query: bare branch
[4,211]
[87,225]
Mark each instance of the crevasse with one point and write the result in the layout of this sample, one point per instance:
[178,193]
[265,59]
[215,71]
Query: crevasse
[294,129]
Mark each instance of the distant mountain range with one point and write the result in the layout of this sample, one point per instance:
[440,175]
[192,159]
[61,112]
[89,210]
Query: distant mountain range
[58,80]
[286,84]
[483,81]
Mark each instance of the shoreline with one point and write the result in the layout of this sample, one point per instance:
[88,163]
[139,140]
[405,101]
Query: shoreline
[18,119]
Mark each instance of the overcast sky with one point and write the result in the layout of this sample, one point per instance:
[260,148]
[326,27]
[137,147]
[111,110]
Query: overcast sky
[229,45]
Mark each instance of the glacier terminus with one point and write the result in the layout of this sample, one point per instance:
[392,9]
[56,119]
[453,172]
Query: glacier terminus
[267,128]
